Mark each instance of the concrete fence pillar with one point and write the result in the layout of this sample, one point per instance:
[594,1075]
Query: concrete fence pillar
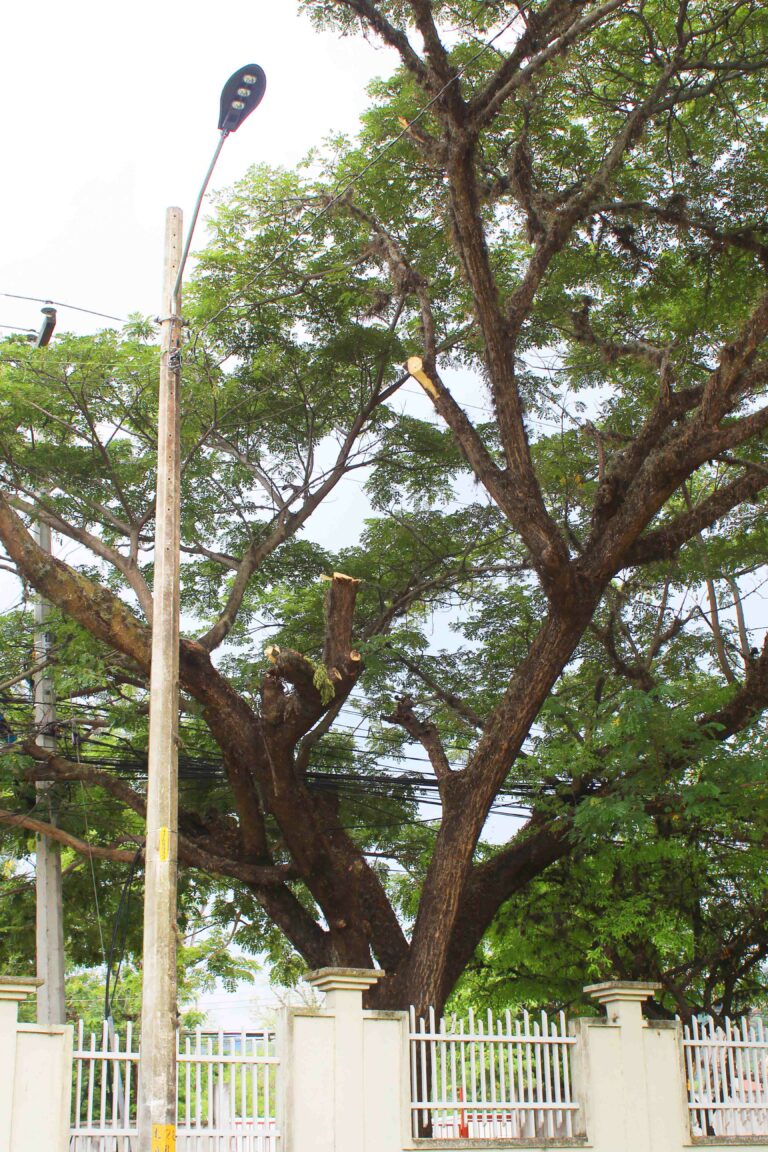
[630,1074]
[12,991]
[329,1067]
[35,1076]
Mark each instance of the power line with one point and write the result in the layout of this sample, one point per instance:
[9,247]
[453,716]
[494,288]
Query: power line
[60,304]
[15,328]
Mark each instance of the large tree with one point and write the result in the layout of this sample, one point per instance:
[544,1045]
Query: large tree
[555,213]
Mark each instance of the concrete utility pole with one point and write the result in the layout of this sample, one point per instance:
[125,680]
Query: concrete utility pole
[157,1065]
[157,1069]
[49,920]
[49,926]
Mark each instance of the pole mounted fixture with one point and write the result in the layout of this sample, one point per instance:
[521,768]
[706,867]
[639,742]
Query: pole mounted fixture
[47,327]
[240,95]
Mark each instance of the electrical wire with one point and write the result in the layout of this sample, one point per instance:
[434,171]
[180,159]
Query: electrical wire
[90,858]
[122,912]
[60,304]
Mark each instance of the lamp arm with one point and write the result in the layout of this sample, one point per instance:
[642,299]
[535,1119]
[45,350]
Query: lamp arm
[195,214]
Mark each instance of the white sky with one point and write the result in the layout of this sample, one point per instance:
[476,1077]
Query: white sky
[110,116]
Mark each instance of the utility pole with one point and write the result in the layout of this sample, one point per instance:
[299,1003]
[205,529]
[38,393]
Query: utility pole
[157,1068]
[157,1060]
[49,926]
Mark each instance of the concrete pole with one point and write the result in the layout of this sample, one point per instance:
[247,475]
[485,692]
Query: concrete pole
[49,919]
[157,1068]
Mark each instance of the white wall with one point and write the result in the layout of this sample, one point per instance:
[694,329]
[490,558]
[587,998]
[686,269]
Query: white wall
[35,1077]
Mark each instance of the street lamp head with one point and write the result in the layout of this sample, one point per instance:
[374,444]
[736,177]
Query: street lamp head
[240,95]
[46,331]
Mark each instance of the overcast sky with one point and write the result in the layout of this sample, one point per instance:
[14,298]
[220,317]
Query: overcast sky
[110,115]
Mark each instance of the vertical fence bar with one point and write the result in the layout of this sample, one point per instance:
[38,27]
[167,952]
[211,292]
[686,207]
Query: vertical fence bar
[752,1074]
[473,1070]
[442,1063]
[91,1068]
[503,1090]
[491,1046]
[760,1034]
[741,1077]
[79,1082]
[425,1113]
[128,1074]
[414,1077]
[455,1089]
[566,1077]
[433,1082]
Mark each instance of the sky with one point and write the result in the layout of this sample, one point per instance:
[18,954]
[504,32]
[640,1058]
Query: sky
[110,116]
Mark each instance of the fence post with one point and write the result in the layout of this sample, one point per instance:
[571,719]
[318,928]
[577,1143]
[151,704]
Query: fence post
[634,1072]
[12,991]
[344,988]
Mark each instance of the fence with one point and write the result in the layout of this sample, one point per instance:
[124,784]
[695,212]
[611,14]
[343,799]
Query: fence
[492,1080]
[226,1092]
[727,1073]
[617,1081]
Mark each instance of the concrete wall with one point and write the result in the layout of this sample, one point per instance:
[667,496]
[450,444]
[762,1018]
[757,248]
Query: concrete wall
[346,1081]
[35,1077]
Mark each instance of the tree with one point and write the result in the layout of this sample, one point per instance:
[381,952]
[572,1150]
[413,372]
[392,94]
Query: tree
[555,211]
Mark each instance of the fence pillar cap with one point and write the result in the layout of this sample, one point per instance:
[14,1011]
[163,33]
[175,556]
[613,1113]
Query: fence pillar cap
[344,979]
[628,990]
[18,987]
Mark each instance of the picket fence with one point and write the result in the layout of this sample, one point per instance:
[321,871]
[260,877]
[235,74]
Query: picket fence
[226,1092]
[497,1080]
[727,1073]
[478,1078]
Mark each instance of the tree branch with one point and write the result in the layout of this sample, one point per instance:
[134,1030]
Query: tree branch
[423,731]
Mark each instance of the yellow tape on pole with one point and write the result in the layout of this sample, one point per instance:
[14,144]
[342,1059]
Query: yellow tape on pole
[163,1138]
[163,847]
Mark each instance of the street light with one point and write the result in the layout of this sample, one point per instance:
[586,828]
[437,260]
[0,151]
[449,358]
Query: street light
[157,1071]
[241,94]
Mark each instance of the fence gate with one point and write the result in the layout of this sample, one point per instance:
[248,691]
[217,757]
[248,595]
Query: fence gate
[727,1072]
[226,1092]
[499,1080]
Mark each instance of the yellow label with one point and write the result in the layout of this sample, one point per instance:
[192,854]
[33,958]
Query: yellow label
[164,1135]
[164,849]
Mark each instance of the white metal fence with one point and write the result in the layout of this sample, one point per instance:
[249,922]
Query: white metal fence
[727,1073]
[496,1079]
[226,1092]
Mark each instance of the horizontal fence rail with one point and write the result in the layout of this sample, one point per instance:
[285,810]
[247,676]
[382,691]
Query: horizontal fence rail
[226,1092]
[497,1080]
[727,1073]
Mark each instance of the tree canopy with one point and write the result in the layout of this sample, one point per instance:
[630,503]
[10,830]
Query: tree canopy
[526,312]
